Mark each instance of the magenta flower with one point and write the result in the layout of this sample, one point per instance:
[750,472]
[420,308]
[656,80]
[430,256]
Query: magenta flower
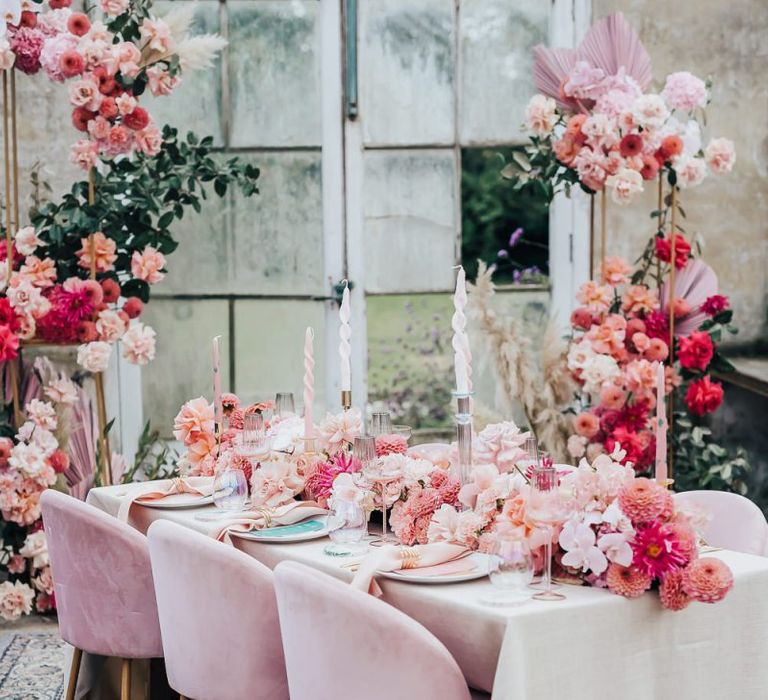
[320,482]
[657,549]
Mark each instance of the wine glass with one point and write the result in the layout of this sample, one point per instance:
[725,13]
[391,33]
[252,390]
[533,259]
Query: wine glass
[545,508]
[230,490]
[364,448]
[347,527]
[284,405]
[381,423]
[511,569]
[404,431]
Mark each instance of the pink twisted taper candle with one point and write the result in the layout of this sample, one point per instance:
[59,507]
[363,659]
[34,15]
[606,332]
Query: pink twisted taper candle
[345,347]
[661,426]
[462,357]
[309,383]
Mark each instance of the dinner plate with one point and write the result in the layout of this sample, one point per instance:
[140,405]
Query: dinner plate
[312,528]
[177,500]
[482,567]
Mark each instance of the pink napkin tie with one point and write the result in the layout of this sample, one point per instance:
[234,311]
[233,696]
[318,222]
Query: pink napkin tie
[259,518]
[424,558]
[156,490]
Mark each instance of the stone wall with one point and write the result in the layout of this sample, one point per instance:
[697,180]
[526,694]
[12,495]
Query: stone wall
[726,41]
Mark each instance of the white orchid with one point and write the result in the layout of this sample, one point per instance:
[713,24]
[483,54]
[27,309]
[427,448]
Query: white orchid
[578,540]
[616,547]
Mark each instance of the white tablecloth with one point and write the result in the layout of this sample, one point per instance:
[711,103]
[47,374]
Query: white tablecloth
[592,645]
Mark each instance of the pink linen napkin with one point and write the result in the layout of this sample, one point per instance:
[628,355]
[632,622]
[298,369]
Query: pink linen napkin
[429,559]
[199,486]
[259,518]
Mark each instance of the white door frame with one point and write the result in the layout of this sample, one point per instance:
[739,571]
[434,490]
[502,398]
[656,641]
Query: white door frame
[568,217]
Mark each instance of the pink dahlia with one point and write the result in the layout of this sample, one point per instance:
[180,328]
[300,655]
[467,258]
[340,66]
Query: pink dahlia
[320,481]
[686,539]
[657,550]
[627,581]
[642,500]
[707,580]
[671,592]
[27,44]
[391,444]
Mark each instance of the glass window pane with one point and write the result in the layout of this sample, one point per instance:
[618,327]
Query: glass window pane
[409,207]
[182,369]
[198,98]
[278,234]
[406,78]
[274,72]
[269,349]
[496,72]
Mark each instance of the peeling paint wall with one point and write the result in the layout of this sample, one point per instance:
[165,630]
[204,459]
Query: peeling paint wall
[729,42]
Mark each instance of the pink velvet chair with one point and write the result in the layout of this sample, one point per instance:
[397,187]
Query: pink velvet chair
[341,644]
[218,618]
[103,584]
[736,522]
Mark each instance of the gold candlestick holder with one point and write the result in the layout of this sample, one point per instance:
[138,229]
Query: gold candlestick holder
[346,399]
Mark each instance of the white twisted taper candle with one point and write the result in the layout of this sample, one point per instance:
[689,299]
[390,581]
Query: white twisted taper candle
[462,356]
[345,335]
[309,383]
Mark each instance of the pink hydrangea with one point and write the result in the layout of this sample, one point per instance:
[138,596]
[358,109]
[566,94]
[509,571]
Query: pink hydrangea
[50,57]
[27,44]
[684,91]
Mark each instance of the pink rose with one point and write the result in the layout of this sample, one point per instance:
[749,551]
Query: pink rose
[113,8]
[84,153]
[195,418]
[720,155]
[85,93]
[149,140]
[161,83]
[94,357]
[147,265]
[110,326]
[156,35]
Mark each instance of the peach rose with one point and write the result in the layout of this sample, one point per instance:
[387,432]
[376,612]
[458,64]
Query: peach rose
[596,298]
[657,350]
[147,265]
[105,248]
[195,418]
[638,299]
[616,271]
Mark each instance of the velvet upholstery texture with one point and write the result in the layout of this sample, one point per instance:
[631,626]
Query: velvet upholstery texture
[218,618]
[342,644]
[736,522]
[102,580]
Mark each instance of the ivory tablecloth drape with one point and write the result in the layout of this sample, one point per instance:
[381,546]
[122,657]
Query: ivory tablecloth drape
[593,645]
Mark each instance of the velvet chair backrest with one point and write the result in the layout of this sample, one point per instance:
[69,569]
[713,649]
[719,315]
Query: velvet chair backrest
[341,643]
[736,522]
[102,580]
[218,618]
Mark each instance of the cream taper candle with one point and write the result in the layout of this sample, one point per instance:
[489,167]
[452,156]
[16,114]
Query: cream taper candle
[345,348]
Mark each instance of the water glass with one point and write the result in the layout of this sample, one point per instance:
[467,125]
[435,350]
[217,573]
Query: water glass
[347,527]
[511,570]
[381,423]
[284,406]
[364,448]
[230,490]
[254,434]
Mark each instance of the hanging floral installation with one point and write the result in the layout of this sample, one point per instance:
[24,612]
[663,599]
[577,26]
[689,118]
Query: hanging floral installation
[79,271]
[598,125]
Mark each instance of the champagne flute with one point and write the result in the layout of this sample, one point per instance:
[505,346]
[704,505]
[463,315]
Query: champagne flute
[364,448]
[546,510]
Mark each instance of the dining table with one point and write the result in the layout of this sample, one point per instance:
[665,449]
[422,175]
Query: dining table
[593,644]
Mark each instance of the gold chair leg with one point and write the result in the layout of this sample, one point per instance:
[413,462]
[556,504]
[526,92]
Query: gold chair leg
[181,697]
[74,671]
[125,680]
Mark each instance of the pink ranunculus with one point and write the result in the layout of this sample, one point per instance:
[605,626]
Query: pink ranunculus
[641,342]
[684,91]
[139,344]
[720,155]
[148,264]
[94,356]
